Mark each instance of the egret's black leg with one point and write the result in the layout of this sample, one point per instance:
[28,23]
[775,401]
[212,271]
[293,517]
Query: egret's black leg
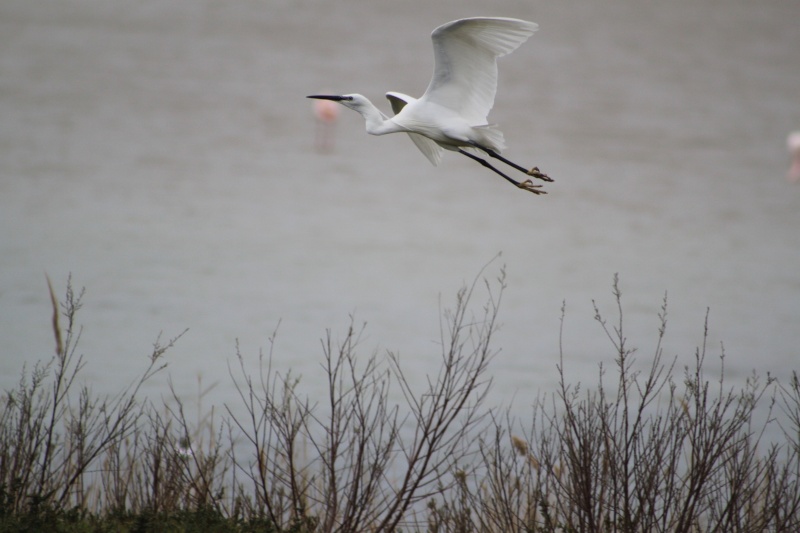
[526,185]
[535,172]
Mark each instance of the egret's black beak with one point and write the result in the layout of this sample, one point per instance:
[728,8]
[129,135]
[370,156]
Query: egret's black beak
[329,97]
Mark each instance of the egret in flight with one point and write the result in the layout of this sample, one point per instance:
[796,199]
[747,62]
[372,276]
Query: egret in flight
[452,114]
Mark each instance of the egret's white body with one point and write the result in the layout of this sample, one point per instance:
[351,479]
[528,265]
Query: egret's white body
[452,113]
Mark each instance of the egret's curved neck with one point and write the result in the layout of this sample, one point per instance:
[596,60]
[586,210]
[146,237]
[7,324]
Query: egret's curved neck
[377,122]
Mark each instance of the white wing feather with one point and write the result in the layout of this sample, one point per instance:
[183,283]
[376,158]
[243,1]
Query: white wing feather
[427,146]
[465,69]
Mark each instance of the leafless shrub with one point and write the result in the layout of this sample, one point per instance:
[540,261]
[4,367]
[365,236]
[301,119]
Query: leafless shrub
[646,454]
[369,465]
[648,448]
[51,434]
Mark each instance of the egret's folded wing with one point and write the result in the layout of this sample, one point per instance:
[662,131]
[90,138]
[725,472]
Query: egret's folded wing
[465,54]
[428,147]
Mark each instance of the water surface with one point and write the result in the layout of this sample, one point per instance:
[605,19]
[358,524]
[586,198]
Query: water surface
[162,152]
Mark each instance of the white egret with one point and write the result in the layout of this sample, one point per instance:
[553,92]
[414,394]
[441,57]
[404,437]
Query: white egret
[452,113]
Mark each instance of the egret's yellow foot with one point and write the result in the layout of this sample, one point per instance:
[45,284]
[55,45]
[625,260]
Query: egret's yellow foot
[536,173]
[529,186]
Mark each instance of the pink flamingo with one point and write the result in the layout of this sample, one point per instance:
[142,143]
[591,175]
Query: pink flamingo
[793,143]
[326,113]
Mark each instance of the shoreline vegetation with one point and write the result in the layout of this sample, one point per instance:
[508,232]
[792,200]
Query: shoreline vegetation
[648,447]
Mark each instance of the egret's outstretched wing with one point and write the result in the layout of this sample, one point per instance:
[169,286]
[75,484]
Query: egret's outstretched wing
[428,147]
[465,70]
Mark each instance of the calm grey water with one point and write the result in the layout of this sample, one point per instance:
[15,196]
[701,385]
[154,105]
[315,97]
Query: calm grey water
[163,153]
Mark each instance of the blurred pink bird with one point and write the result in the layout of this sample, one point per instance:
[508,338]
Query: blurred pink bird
[793,143]
[326,113]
